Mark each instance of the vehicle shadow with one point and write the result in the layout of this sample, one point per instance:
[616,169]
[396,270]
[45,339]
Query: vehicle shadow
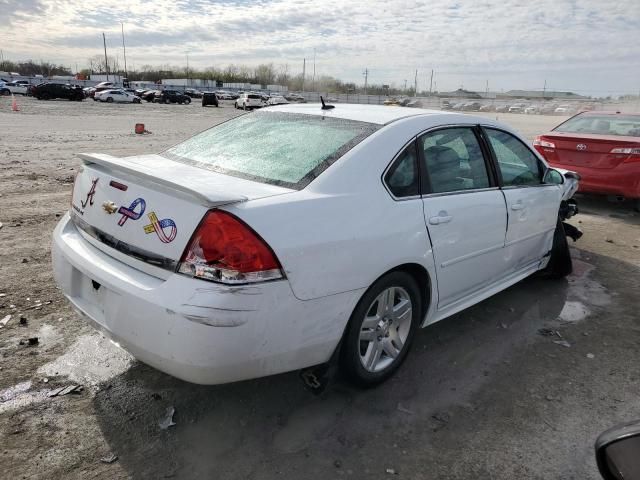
[602,206]
[273,428]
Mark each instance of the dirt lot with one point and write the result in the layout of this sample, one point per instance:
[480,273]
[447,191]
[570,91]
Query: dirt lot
[483,394]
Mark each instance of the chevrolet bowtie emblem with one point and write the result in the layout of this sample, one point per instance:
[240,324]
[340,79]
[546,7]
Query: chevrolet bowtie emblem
[109,207]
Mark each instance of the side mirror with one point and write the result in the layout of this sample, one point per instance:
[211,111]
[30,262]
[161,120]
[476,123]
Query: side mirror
[617,452]
[553,177]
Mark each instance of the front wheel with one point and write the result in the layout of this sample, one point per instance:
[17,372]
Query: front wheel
[381,329]
[560,264]
[187,101]
[109,100]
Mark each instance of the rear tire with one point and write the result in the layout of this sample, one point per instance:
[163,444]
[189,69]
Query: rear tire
[381,329]
[560,264]
[187,101]
[109,100]
[637,204]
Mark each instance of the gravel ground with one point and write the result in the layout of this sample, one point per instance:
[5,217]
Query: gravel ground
[482,395]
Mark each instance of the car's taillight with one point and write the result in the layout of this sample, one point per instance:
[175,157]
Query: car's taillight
[224,249]
[539,142]
[632,153]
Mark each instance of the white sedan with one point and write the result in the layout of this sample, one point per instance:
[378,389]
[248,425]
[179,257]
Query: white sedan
[294,236]
[117,95]
[9,88]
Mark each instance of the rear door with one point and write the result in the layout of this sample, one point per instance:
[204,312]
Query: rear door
[532,206]
[464,211]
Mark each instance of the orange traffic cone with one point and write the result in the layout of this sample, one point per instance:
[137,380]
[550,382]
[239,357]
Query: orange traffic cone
[14,104]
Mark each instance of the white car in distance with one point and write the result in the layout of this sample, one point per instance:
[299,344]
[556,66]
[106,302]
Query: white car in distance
[117,95]
[249,101]
[290,236]
[15,88]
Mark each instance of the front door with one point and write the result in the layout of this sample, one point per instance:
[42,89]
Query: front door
[464,211]
[532,205]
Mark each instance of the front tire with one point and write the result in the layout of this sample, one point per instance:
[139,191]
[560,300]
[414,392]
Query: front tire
[109,100]
[381,329]
[560,264]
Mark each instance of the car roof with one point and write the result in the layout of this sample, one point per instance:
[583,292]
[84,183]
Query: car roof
[378,114]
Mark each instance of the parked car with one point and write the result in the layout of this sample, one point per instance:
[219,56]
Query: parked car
[48,91]
[604,148]
[193,93]
[487,108]
[517,108]
[446,105]
[472,106]
[171,96]
[150,95]
[209,98]
[244,251]
[14,88]
[117,95]
[295,98]
[502,108]
[248,101]
[458,106]
[93,91]
[277,100]
[532,110]
[564,110]
[548,109]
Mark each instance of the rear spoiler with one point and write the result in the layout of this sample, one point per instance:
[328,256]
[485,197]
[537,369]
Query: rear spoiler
[190,185]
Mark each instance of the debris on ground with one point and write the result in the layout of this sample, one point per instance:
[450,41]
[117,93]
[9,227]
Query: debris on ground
[562,343]
[33,341]
[402,409]
[590,355]
[391,471]
[4,321]
[110,459]
[167,421]
[0,225]
[546,332]
[3,295]
[62,391]
[337,463]
[23,320]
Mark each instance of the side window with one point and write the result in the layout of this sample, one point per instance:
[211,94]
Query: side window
[454,160]
[402,178]
[517,164]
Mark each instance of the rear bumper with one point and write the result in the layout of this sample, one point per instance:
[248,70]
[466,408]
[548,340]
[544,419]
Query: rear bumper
[623,180]
[195,330]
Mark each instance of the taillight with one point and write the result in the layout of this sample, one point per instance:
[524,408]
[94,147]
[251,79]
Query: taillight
[633,153]
[539,142]
[224,249]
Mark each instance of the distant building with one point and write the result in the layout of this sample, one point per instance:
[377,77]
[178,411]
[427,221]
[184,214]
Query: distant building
[460,93]
[542,94]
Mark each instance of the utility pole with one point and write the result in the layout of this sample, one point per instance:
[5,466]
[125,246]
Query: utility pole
[544,89]
[487,88]
[106,62]
[366,79]
[188,81]
[431,83]
[314,69]
[405,85]
[124,52]
[415,85]
[304,71]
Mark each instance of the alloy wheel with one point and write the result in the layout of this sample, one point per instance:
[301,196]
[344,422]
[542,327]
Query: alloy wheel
[385,328]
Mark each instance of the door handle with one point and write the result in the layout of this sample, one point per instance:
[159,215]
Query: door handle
[517,206]
[442,217]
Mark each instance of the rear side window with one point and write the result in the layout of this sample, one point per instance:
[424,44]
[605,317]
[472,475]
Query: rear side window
[278,148]
[254,97]
[518,165]
[402,178]
[454,160]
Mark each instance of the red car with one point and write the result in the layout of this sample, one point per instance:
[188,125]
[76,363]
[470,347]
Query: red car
[604,148]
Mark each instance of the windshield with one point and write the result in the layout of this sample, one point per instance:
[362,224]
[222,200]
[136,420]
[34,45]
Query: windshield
[273,147]
[624,125]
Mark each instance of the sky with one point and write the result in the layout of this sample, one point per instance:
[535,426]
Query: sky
[587,46]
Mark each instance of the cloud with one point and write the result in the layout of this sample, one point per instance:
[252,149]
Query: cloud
[510,43]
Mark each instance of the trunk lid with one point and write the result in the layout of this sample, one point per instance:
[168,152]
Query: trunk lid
[587,150]
[149,206]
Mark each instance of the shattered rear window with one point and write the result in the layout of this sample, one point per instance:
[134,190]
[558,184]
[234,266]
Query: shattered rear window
[278,148]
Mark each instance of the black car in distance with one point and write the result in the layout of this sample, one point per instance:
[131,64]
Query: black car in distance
[209,98]
[171,96]
[48,91]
